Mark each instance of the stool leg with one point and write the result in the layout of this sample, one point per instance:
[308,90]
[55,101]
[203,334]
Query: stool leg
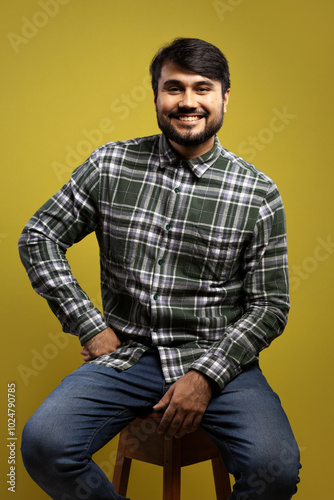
[122,465]
[222,479]
[121,476]
[172,469]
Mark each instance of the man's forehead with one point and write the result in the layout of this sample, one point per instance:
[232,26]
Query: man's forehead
[172,72]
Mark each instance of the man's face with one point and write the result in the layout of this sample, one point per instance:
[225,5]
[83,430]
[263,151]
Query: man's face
[190,107]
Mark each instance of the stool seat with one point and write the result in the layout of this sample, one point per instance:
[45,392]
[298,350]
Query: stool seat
[140,441]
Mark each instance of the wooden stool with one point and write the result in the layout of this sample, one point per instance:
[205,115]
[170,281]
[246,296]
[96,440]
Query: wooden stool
[140,441]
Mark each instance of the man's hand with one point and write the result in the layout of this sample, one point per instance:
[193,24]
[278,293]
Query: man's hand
[103,343]
[187,400]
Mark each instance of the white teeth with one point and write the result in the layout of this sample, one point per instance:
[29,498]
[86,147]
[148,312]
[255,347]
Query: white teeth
[189,118]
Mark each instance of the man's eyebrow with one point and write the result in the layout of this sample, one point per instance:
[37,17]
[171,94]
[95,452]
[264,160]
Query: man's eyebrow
[171,81]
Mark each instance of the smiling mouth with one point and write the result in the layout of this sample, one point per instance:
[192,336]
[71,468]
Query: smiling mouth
[189,118]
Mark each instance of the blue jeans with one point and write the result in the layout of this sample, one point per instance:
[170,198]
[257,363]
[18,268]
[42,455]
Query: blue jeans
[92,405]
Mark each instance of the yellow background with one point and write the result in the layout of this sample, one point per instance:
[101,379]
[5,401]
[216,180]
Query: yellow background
[78,80]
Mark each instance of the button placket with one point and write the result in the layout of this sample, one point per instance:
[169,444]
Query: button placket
[158,277]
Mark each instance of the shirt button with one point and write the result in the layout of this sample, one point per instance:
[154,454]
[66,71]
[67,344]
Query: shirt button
[168,227]
[155,296]
[176,190]
[160,261]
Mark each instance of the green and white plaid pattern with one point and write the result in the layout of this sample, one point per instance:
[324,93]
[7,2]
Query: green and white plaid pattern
[193,256]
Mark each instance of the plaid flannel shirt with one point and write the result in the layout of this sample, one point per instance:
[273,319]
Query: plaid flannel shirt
[192,252]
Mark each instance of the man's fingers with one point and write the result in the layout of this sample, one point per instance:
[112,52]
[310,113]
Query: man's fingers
[165,400]
[169,414]
[170,424]
[161,405]
[178,423]
[104,342]
[189,425]
[86,356]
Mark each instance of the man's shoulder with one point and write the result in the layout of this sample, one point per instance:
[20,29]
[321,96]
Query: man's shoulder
[242,167]
[143,145]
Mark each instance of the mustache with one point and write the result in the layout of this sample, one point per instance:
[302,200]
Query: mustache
[187,111]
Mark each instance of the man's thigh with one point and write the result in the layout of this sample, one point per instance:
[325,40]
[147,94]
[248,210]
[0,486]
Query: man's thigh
[91,405]
[250,428]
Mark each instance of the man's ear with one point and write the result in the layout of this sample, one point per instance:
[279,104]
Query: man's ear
[155,100]
[226,99]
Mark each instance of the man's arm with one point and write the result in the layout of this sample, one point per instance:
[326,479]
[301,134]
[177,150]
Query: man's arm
[65,219]
[266,299]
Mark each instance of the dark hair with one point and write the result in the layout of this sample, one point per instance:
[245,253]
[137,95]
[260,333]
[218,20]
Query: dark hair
[194,55]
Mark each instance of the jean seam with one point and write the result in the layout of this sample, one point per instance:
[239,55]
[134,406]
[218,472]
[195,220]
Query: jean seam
[225,443]
[104,423]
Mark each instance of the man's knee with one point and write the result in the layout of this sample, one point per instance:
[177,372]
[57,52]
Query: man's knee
[31,445]
[274,473]
[39,446]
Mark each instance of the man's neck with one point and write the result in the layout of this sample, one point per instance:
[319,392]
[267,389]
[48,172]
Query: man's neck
[190,152]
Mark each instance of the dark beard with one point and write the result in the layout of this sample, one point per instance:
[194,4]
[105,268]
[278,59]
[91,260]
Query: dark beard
[189,139]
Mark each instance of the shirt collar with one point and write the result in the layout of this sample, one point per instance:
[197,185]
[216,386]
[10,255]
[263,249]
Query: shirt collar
[198,165]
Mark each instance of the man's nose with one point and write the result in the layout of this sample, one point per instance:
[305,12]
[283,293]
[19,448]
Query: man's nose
[188,100]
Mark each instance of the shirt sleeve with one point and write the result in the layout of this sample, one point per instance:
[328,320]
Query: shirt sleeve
[70,215]
[266,297]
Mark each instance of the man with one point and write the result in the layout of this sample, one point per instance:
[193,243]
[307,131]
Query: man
[194,285]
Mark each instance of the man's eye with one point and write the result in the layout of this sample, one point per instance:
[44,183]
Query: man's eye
[203,90]
[173,90]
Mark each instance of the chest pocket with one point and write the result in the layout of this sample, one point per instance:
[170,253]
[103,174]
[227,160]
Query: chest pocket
[213,256]
[128,231]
